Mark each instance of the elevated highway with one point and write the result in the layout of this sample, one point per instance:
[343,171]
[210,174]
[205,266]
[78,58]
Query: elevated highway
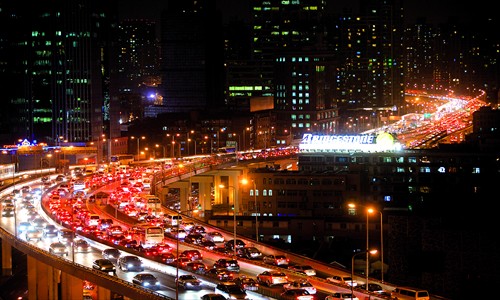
[71,274]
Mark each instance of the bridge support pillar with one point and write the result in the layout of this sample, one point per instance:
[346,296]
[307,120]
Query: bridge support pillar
[71,287]
[103,293]
[43,280]
[6,259]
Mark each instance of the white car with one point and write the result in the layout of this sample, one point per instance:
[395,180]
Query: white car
[302,284]
[303,269]
[342,279]
[214,236]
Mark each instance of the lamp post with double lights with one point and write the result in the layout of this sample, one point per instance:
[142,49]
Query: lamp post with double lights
[369,211]
[235,203]
[138,144]
[372,252]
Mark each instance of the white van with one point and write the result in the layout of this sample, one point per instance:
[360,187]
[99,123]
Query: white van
[173,220]
[404,292]
[92,220]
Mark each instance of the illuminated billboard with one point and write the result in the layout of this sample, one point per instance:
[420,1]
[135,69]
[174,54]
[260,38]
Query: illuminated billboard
[381,142]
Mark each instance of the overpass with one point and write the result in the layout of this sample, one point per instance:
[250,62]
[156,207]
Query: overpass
[61,274]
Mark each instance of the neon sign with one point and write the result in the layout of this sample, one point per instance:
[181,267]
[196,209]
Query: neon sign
[362,142]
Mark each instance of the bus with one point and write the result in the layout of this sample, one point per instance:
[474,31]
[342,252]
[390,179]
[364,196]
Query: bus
[147,235]
[121,159]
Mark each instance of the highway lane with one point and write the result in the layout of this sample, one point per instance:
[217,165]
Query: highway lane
[167,275]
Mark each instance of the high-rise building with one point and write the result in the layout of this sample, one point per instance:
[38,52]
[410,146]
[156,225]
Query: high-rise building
[137,68]
[191,56]
[58,69]
[371,61]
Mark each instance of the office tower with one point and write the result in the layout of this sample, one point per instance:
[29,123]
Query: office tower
[59,57]
[137,68]
[191,56]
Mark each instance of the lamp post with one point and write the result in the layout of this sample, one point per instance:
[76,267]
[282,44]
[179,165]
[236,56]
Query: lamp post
[163,150]
[244,181]
[367,247]
[370,210]
[138,145]
[352,267]
[235,204]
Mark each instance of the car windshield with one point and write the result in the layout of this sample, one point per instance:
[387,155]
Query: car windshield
[148,277]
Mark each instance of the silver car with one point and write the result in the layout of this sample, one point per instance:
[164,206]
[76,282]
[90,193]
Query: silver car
[33,234]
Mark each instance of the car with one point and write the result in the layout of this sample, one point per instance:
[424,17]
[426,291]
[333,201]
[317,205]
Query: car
[239,244]
[182,262]
[23,226]
[228,264]
[147,251]
[247,283]
[111,254]
[167,257]
[213,296]
[58,248]
[8,210]
[342,279]
[50,230]
[276,260]
[252,253]
[38,222]
[193,238]
[223,250]
[220,274]
[198,229]
[296,294]
[65,236]
[196,267]
[130,263]
[192,254]
[128,243]
[214,236]
[81,246]
[147,280]
[272,277]
[104,265]
[208,245]
[189,282]
[231,290]
[187,225]
[303,269]
[373,287]
[163,248]
[33,234]
[341,296]
[300,284]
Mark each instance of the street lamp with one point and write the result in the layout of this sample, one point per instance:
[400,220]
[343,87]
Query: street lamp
[163,150]
[235,204]
[374,251]
[245,182]
[138,146]
[370,210]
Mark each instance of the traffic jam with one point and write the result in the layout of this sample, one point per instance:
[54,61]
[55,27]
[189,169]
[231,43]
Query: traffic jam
[75,202]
